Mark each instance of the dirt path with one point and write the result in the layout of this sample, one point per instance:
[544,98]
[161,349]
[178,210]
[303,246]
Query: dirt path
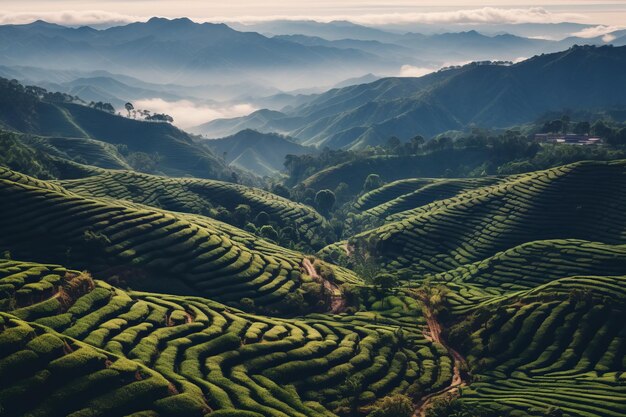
[349,249]
[337,301]
[433,333]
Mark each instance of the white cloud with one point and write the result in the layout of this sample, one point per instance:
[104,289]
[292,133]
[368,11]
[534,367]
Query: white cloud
[187,114]
[608,38]
[600,30]
[484,15]
[69,18]
[411,71]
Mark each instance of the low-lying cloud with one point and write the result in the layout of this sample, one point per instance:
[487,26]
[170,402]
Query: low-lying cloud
[484,15]
[70,18]
[412,71]
[187,114]
[601,30]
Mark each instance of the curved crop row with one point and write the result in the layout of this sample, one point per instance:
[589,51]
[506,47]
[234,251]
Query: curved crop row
[183,253]
[232,361]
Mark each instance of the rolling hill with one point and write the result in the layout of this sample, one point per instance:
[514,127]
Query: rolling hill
[577,201]
[512,297]
[259,153]
[187,253]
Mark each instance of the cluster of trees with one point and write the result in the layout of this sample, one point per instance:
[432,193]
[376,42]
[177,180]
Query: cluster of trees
[106,107]
[147,114]
[613,133]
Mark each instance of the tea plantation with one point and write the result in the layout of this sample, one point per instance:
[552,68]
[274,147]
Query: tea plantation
[128,294]
[203,355]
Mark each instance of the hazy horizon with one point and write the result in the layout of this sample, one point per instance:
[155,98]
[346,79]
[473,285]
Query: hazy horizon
[112,12]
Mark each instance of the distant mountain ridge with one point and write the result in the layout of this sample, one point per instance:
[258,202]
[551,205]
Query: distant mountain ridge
[494,96]
[163,50]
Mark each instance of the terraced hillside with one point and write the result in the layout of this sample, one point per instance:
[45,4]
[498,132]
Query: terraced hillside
[513,299]
[192,195]
[213,358]
[403,195]
[560,346]
[181,253]
[579,201]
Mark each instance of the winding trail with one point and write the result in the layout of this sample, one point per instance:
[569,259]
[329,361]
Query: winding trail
[337,301]
[433,333]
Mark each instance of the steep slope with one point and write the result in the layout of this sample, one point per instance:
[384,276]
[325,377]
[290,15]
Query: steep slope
[558,348]
[259,153]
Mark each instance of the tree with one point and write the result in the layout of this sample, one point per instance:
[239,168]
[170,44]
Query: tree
[385,282]
[242,214]
[262,219]
[393,143]
[397,405]
[372,182]
[414,145]
[552,126]
[582,128]
[161,117]
[600,128]
[342,192]
[281,190]
[617,138]
[268,232]
[129,107]
[324,201]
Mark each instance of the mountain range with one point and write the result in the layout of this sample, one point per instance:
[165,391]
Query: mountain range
[162,50]
[479,94]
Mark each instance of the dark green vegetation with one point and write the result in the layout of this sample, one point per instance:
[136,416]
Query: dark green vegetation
[493,296]
[183,253]
[188,355]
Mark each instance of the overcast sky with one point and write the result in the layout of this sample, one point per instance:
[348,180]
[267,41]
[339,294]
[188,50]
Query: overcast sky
[608,12]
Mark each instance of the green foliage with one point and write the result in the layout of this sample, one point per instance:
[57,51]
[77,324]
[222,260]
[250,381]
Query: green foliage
[385,282]
[324,201]
[455,407]
[372,182]
[393,406]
